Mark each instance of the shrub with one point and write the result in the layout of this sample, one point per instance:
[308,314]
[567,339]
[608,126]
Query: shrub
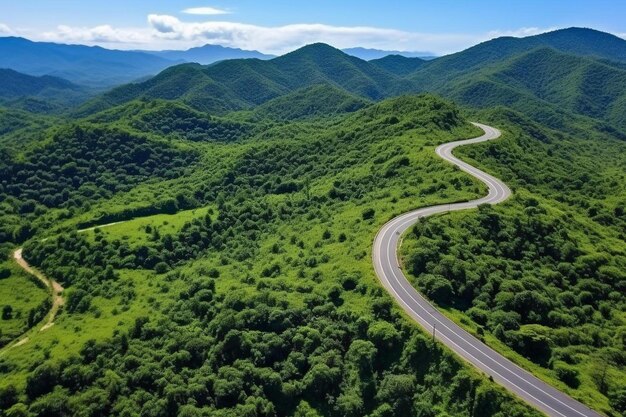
[161,268]
[567,374]
[368,213]
[5,273]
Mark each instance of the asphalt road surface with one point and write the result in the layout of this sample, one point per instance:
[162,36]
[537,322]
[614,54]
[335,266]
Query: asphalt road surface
[518,381]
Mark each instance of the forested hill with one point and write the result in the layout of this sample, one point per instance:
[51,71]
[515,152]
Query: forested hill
[398,64]
[315,101]
[576,41]
[14,84]
[38,94]
[239,84]
[546,83]
[553,76]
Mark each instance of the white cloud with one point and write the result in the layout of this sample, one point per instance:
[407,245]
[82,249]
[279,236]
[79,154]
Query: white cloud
[169,32]
[4,29]
[163,24]
[104,34]
[281,39]
[207,11]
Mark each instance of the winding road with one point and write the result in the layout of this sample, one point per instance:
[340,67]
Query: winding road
[385,257]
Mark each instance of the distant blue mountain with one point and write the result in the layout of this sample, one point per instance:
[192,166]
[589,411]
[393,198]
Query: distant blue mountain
[99,67]
[14,84]
[209,54]
[85,65]
[38,94]
[368,54]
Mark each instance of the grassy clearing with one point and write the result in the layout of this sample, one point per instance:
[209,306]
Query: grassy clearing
[139,231]
[106,317]
[22,293]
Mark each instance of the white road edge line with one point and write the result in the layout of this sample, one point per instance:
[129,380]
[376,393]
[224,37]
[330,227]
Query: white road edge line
[498,192]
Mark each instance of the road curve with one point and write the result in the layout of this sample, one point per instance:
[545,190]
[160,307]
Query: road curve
[385,257]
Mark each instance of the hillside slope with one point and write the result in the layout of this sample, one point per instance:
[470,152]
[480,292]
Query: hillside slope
[38,94]
[576,41]
[398,64]
[241,84]
[14,84]
[315,101]
[547,81]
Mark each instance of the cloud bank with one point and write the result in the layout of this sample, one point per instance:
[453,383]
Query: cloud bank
[170,32]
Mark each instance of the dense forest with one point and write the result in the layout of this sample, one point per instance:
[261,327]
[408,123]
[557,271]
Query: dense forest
[79,165]
[257,326]
[211,228]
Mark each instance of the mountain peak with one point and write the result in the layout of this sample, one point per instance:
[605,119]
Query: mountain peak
[398,64]
[578,31]
[316,49]
[584,41]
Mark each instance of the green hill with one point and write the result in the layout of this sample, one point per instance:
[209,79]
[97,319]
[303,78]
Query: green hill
[398,64]
[546,81]
[173,119]
[40,94]
[583,41]
[316,101]
[494,72]
[14,84]
[576,41]
[12,120]
[245,83]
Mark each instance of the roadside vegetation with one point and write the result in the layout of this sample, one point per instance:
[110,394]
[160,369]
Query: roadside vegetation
[542,275]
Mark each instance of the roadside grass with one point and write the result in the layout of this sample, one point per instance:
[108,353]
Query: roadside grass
[584,393]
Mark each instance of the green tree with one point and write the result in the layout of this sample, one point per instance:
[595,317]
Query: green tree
[7,312]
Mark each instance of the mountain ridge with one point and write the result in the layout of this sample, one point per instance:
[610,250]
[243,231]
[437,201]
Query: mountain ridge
[87,65]
[208,54]
[245,83]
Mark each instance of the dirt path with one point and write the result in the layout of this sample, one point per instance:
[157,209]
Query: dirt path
[55,288]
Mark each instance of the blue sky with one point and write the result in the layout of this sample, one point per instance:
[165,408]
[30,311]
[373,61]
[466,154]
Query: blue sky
[439,26]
